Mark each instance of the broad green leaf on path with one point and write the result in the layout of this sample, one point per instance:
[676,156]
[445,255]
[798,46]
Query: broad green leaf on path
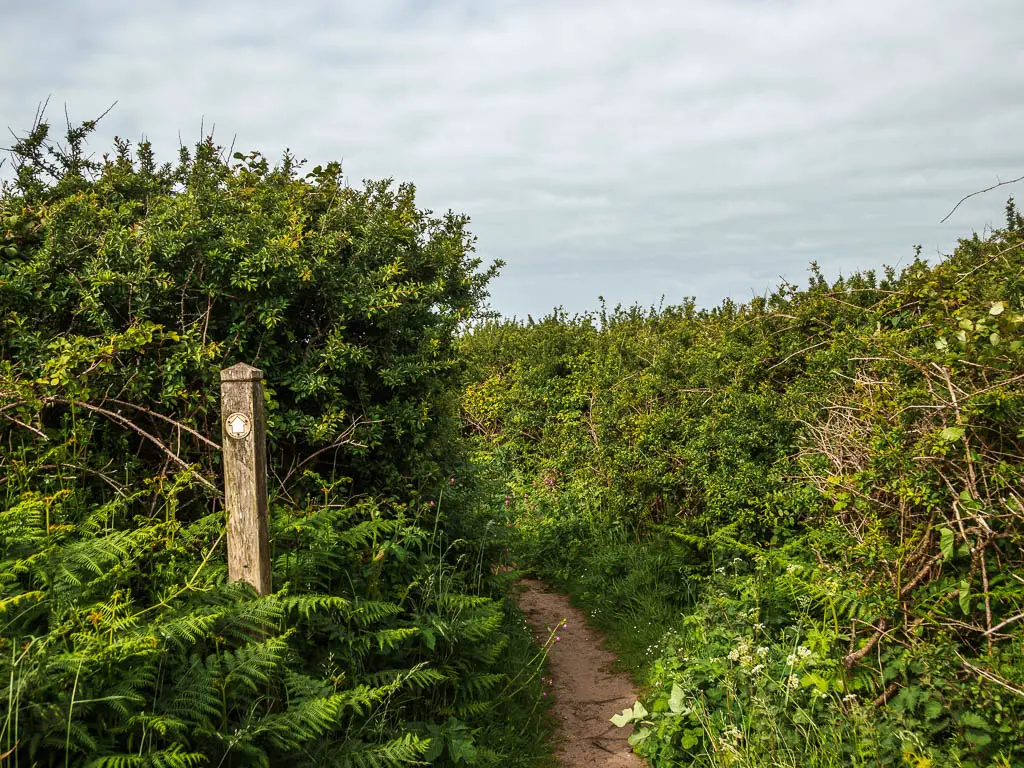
[675,701]
[624,718]
[639,711]
[950,434]
[946,540]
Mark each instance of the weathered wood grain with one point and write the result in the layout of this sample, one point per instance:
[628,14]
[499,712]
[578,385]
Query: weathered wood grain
[245,475]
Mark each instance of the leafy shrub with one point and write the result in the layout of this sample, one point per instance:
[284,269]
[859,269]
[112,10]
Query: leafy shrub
[126,286]
[841,462]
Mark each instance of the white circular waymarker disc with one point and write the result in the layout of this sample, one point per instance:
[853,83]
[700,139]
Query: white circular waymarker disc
[238,426]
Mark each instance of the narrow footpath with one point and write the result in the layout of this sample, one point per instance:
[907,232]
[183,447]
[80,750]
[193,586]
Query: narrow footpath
[586,692]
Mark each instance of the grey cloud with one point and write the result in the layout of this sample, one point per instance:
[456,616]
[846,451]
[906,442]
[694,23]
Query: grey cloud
[614,147]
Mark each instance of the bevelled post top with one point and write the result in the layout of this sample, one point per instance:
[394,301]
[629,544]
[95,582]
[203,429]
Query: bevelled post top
[241,372]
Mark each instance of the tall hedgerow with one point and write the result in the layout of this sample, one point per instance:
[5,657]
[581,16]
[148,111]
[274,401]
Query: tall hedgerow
[836,468]
[125,286]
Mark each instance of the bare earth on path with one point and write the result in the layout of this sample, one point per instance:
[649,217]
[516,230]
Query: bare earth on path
[586,692]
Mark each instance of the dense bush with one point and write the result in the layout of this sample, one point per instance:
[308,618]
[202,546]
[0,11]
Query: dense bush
[126,286]
[834,474]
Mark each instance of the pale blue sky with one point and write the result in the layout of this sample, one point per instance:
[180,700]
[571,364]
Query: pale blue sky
[630,149]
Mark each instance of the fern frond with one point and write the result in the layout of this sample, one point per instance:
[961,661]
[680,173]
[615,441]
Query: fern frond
[405,750]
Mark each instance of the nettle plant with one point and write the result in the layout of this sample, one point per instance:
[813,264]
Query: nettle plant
[126,286]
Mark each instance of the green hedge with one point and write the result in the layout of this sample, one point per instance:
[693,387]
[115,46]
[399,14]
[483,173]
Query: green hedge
[837,467]
[126,286]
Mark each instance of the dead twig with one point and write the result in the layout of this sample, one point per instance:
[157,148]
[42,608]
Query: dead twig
[979,192]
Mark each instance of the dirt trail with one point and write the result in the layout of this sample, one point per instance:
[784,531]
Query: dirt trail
[586,693]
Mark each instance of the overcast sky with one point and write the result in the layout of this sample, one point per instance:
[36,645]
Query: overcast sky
[630,149]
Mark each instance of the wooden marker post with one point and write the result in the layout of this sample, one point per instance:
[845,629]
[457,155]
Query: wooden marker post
[245,475]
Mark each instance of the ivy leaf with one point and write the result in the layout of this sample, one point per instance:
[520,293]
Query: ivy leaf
[997,308]
[946,541]
[639,711]
[951,434]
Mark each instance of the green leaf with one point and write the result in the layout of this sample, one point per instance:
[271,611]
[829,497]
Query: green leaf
[691,738]
[462,750]
[973,720]
[639,711]
[624,718]
[816,680]
[429,638]
[978,738]
[965,596]
[951,434]
[435,749]
[638,736]
[932,709]
[946,540]
[997,308]
[675,701]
